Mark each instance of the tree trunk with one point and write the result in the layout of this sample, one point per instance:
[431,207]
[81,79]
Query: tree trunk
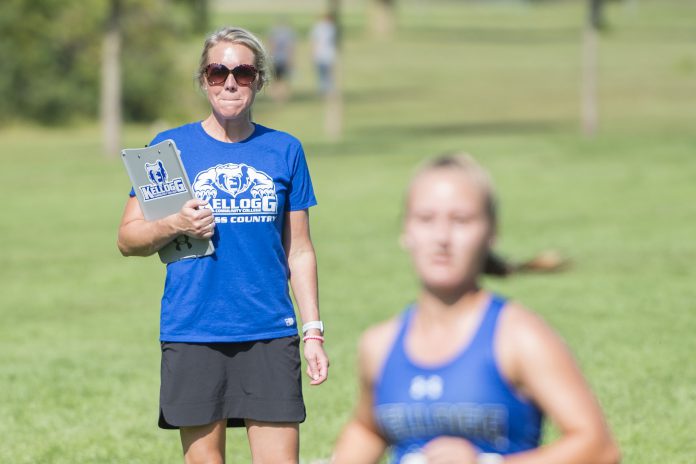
[335,12]
[590,52]
[597,14]
[110,108]
[382,18]
[333,116]
[201,15]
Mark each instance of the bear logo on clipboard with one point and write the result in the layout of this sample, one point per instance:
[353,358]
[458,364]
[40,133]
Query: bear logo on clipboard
[159,186]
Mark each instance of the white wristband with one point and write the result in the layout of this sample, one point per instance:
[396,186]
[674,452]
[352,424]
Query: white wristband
[313,325]
[489,458]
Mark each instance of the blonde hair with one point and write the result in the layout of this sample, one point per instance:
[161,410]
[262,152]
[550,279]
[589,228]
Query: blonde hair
[236,35]
[466,164]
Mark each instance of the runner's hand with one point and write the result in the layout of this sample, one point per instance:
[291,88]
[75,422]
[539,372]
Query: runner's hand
[450,450]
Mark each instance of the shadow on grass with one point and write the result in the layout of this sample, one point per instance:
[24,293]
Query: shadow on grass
[370,95]
[502,36]
[498,127]
[387,139]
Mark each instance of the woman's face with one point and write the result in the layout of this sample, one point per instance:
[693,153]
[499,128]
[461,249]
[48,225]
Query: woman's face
[447,229]
[230,100]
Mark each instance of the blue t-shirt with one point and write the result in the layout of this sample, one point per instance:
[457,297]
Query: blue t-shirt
[240,293]
[465,397]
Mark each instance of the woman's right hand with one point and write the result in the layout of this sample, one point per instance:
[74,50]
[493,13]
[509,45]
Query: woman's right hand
[138,237]
[194,220]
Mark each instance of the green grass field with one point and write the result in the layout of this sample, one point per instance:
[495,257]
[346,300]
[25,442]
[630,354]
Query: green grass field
[79,358]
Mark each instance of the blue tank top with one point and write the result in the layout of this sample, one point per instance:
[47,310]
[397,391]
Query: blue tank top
[465,397]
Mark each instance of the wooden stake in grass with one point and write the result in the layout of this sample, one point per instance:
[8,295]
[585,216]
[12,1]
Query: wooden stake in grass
[594,24]
[333,119]
[590,116]
[382,18]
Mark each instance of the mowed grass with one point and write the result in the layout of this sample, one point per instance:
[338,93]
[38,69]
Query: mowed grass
[79,358]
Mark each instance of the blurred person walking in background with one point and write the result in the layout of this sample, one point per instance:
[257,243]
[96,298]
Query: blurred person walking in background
[282,41]
[464,375]
[230,348]
[323,37]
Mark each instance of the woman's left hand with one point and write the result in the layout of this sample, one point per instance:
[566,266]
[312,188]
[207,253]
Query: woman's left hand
[317,361]
[450,450]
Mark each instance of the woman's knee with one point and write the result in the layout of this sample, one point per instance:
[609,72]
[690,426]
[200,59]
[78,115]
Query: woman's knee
[211,458]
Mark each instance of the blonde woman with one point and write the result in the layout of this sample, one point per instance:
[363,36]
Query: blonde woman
[229,336]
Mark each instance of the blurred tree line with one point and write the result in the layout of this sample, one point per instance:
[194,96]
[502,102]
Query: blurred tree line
[51,56]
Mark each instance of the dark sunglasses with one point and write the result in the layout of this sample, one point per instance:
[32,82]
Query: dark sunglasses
[244,74]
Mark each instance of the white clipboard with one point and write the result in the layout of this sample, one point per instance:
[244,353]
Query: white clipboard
[162,187]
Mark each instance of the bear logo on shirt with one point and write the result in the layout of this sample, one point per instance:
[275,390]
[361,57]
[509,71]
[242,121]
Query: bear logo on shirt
[237,189]
[234,179]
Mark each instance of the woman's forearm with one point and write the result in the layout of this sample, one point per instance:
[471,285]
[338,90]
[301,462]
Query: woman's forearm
[139,237]
[143,238]
[572,449]
[303,281]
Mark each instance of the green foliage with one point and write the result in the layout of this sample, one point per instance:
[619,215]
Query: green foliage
[50,61]
[79,358]
[151,31]
[51,53]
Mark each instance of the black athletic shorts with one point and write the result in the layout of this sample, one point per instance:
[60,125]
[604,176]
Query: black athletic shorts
[207,382]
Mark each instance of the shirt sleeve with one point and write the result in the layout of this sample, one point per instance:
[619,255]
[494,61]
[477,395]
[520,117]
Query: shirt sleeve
[301,192]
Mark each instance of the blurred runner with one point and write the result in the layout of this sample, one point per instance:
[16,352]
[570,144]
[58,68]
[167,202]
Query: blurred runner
[464,375]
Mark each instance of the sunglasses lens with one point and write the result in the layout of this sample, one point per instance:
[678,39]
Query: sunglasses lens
[244,74]
[217,74]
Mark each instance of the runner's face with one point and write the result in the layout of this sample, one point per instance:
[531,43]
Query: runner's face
[230,100]
[447,230]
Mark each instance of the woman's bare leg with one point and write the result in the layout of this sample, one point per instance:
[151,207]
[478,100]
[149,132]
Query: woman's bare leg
[273,442]
[204,444]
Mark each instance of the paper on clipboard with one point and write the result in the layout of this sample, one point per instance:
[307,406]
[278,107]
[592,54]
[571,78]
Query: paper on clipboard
[162,187]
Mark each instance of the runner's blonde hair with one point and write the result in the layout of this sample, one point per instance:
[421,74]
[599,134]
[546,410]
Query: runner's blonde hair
[466,164]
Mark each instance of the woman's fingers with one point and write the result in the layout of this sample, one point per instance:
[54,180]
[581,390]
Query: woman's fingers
[195,220]
[317,363]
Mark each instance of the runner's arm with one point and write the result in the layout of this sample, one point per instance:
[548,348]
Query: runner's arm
[360,441]
[547,372]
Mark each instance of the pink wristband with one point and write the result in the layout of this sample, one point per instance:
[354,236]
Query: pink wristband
[313,337]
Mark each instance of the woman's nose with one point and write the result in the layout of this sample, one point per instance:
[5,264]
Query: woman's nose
[230,83]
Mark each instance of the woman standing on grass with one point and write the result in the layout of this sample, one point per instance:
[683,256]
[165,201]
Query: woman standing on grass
[464,376]
[230,349]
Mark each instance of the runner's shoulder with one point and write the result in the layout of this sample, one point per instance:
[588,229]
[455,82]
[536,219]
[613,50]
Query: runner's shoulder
[375,344]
